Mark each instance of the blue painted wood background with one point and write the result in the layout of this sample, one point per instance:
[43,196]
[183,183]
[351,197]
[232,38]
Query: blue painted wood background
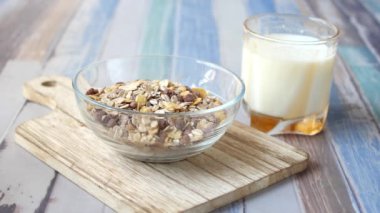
[344,173]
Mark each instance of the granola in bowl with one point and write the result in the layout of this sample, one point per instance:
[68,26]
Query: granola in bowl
[157,120]
[153,98]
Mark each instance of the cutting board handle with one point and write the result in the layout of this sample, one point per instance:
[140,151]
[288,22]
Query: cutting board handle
[54,92]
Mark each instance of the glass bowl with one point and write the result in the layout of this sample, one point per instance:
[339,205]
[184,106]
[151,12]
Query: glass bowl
[153,137]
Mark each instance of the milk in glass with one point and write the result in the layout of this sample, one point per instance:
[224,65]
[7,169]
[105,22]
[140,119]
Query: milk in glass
[286,81]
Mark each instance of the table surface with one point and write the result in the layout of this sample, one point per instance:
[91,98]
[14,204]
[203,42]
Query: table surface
[58,36]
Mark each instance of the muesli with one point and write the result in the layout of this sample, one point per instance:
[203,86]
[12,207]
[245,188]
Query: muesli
[155,97]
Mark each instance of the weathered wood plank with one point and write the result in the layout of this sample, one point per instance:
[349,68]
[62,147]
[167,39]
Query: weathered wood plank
[44,37]
[68,197]
[353,125]
[277,198]
[83,39]
[8,6]
[196,35]
[41,41]
[356,139]
[366,71]
[126,34]
[11,79]
[158,28]
[260,6]
[373,6]
[122,39]
[81,43]
[32,52]
[16,25]
[24,179]
[37,47]
[288,6]
[322,188]
[124,183]
[230,38]
[316,196]
[364,22]
[324,9]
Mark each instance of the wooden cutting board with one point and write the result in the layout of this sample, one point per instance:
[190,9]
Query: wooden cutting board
[242,162]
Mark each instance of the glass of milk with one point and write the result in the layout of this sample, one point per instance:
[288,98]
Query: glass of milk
[287,68]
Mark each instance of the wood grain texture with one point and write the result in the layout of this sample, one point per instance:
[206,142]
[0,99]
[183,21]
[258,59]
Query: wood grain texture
[364,22]
[355,138]
[196,34]
[17,24]
[83,39]
[46,33]
[126,34]
[40,43]
[215,33]
[69,54]
[323,188]
[373,6]
[366,70]
[24,179]
[353,125]
[35,42]
[344,158]
[201,183]
[11,80]
[20,188]
[158,28]
[30,54]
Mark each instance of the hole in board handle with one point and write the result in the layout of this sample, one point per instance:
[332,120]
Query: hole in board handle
[49,83]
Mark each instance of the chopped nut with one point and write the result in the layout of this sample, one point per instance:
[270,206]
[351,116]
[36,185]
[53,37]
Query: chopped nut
[184,93]
[154,124]
[197,101]
[196,135]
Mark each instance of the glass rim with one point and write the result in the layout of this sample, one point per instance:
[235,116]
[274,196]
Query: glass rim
[335,35]
[224,106]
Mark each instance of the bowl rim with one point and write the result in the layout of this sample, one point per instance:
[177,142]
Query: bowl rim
[225,105]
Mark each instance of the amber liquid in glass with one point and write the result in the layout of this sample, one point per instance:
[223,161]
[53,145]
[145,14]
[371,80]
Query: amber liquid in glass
[309,125]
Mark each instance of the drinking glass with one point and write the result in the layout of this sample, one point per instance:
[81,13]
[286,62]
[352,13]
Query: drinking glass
[287,68]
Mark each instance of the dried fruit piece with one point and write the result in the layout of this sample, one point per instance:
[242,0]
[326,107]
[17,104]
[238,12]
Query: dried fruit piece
[92,91]
[133,105]
[189,97]
[140,100]
[199,91]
